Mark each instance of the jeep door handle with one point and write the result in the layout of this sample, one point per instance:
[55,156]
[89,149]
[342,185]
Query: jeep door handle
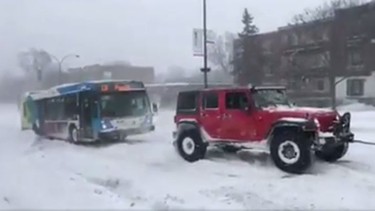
[226,116]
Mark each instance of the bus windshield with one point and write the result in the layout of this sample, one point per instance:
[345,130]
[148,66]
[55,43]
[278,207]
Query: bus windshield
[124,104]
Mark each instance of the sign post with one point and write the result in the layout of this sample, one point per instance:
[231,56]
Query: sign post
[200,41]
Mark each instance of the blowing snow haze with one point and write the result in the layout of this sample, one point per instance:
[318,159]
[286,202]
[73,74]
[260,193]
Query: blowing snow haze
[144,32]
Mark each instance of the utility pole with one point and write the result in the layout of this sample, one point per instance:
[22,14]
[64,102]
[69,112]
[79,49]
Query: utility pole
[59,62]
[205,68]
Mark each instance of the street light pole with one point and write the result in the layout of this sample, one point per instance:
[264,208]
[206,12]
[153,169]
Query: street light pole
[59,62]
[205,68]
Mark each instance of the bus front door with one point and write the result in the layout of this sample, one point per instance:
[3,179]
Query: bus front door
[86,115]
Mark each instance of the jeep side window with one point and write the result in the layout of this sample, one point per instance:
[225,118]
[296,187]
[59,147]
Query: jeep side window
[210,101]
[236,100]
[187,101]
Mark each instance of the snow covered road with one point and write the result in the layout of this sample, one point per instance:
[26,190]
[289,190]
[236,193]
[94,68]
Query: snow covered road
[146,173]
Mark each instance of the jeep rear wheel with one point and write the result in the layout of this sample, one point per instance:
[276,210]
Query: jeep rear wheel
[191,146]
[332,153]
[291,151]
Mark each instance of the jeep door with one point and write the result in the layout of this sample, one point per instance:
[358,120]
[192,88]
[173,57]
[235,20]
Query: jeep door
[210,114]
[237,123]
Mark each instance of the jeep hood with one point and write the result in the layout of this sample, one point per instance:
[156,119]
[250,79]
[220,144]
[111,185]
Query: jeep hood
[303,112]
[326,117]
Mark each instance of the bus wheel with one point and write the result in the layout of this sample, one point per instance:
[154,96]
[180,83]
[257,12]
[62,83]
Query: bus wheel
[73,134]
[37,130]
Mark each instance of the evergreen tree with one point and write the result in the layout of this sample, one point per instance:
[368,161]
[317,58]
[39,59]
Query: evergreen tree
[249,27]
[247,68]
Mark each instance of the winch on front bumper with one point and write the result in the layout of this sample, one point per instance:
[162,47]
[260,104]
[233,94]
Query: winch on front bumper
[341,133]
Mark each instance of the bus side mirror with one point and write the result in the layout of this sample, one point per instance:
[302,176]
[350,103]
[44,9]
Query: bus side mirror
[154,108]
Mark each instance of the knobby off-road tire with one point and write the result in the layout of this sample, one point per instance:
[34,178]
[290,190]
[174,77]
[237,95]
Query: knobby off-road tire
[190,146]
[332,154]
[291,151]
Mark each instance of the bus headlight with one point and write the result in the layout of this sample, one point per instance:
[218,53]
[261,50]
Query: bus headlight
[106,124]
[148,120]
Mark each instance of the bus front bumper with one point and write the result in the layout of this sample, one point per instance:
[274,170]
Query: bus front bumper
[118,135]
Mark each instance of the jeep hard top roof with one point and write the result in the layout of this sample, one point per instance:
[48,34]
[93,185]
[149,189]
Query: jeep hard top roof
[238,88]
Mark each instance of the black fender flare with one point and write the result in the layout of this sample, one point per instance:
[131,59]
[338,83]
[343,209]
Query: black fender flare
[182,127]
[303,126]
[186,126]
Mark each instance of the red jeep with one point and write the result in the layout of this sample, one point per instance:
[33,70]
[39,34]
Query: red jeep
[259,117]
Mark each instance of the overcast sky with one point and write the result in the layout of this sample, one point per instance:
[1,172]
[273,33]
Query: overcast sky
[144,32]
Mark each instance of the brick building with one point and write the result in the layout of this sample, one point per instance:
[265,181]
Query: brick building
[310,58]
[354,53]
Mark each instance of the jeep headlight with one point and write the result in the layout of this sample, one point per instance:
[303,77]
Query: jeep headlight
[317,123]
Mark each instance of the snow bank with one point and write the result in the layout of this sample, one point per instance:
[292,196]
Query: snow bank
[356,107]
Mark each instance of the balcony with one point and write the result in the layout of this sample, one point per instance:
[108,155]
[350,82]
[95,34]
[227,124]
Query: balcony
[305,47]
[355,41]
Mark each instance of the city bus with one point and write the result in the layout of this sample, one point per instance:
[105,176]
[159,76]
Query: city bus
[89,111]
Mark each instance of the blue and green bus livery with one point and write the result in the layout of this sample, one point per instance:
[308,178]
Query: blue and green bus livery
[89,111]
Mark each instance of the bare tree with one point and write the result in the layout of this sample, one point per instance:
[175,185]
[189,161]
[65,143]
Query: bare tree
[34,61]
[220,53]
[175,74]
[324,11]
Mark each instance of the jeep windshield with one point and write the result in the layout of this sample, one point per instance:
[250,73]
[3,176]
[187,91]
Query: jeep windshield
[124,104]
[265,98]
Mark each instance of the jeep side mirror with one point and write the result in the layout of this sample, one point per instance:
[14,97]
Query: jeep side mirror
[154,108]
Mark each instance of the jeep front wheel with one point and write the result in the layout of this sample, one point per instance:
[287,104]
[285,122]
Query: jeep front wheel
[191,146]
[291,152]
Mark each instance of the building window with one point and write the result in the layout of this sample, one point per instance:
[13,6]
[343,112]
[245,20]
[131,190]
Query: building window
[293,85]
[354,58]
[355,87]
[293,39]
[319,60]
[320,85]
[268,70]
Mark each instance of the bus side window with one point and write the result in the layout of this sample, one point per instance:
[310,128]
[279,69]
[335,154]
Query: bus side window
[49,109]
[71,108]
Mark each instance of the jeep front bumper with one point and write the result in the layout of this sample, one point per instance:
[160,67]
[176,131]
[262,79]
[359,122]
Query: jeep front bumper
[341,133]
